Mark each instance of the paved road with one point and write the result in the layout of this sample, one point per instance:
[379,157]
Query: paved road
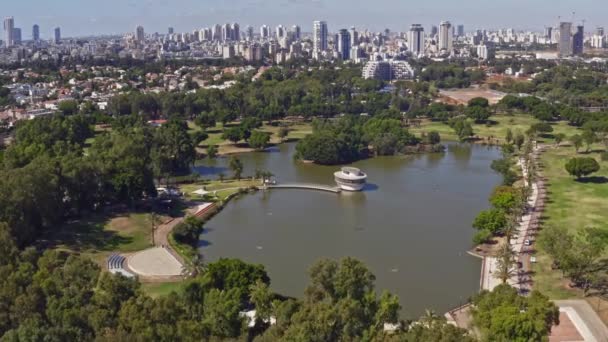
[585,319]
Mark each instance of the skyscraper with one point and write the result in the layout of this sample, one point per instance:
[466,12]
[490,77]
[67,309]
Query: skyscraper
[9,28]
[57,35]
[249,31]
[217,32]
[599,31]
[264,32]
[227,32]
[235,32]
[415,39]
[460,31]
[319,38]
[445,36]
[344,44]
[170,30]
[297,32]
[565,39]
[139,34]
[36,33]
[354,36]
[548,32]
[17,36]
[279,32]
[434,31]
[578,41]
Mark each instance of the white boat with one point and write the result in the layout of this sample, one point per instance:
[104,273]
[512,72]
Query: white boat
[350,179]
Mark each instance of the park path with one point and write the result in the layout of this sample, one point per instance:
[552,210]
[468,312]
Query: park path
[522,277]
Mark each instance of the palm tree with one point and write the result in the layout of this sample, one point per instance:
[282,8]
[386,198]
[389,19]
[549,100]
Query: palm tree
[193,267]
[429,316]
[221,176]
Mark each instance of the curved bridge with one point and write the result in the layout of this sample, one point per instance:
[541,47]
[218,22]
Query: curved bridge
[303,186]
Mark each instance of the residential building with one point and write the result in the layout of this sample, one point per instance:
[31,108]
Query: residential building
[9,31]
[139,34]
[36,33]
[415,39]
[445,36]
[354,36]
[565,39]
[264,32]
[319,38]
[57,35]
[388,70]
[482,52]
[578,40]
[344,44]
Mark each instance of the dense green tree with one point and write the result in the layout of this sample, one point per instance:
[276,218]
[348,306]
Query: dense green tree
[68,107]
[212,151]
[503,315]
[188,231]
[259,140]
[173,149]
[581,167]
[492,220]
[236,165]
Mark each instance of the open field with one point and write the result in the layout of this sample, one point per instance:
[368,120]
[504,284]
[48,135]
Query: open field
[573,205]
[463,96]
[155,290]
[496,130]
[101,235]
[297,131]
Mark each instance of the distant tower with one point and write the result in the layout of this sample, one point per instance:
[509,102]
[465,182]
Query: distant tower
[171,30]
[460,31]
[548,32]
[415,39]
[36,33]
[599,31]
[344,44]
[434,30]
[280,32]
[249,31]
[236,32]
[264,32]
[217,32]
[139,34]
[319,36]
[297,32]
[565,39]
[578,41]
[445,36]
[17,36]
[9,31]
[354,36]
[57,35]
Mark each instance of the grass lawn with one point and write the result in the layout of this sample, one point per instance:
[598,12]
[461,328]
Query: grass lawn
[156,290]
[573,205]
[100,236]
[223,189]
[498,130]
[297,131]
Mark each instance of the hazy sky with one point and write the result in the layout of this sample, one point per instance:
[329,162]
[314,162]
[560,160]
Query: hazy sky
[83,17]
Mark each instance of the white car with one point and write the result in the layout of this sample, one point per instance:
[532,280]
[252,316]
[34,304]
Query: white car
[527,242]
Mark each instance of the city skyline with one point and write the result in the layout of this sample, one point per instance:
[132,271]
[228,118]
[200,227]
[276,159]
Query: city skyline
[116,17]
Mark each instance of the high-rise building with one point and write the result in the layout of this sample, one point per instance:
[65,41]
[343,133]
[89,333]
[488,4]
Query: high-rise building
[171,30]
[36,33]
[415,39]
[217,32]
[354,36]
[57,35]
[319,38]
[434,31]
[297,32]
[226,32]
[565,39]
[17,36]
[279,32]
[460,31]
[235,32]
[139,34]
[264,32]
[344,44]
[599,31]
[578,41]
[548,32]
[445,36]
[249,31]
[482,52]
[9,30]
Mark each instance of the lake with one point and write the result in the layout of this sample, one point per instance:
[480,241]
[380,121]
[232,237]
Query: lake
[411,225]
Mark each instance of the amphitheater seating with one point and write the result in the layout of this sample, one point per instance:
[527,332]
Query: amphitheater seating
[115,265]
